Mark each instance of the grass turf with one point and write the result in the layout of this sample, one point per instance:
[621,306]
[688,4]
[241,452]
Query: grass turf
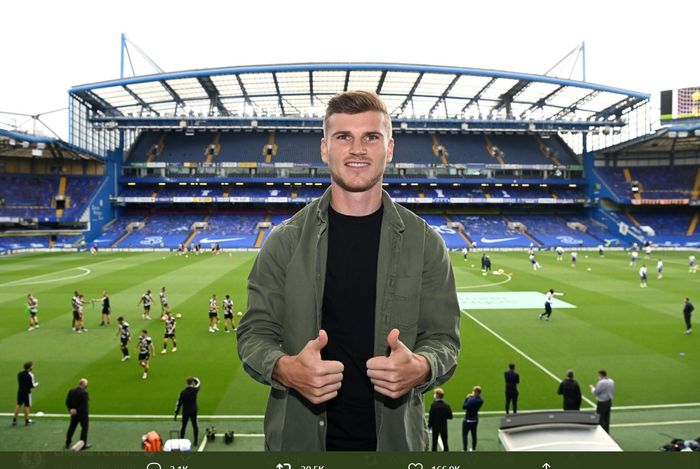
[636,334]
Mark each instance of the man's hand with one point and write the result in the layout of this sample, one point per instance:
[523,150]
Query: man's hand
[73,411]
[401,371]
[316,379]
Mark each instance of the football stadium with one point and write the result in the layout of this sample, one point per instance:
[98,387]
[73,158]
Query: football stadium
[176,180]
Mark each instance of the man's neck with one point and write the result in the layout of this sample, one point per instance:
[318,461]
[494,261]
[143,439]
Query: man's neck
[356,204]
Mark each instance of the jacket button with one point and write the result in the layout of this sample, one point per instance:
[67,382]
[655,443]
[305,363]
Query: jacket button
[321,423]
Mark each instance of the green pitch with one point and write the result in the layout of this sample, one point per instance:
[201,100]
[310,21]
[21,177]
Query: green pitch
[635,334]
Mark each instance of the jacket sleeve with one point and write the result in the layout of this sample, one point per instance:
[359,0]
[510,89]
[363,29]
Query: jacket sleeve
[438,322]
[260,330]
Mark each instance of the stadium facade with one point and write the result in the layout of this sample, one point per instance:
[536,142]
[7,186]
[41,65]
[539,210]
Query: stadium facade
[489,158]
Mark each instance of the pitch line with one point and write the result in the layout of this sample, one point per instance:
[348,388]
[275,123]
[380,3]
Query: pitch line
[16,283]
[260,417]
[85,270]
[488,284]
[523,354]
[654,424]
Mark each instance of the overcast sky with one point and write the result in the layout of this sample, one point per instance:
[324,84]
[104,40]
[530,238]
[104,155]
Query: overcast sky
[49,46]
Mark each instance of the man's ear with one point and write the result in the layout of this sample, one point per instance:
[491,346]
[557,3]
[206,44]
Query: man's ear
[324,150]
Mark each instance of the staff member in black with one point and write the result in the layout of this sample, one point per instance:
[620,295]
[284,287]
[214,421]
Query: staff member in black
[77,403]
[571,391]
[440,413]
[26,382]
[188,402]
[688,309]
[512,380]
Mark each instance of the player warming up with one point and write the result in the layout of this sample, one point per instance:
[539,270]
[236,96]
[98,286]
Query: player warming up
[228,314]
[147,300]
[124,335]
[169,332]
[213,314]
[33,310]
[548,304]
[146,351]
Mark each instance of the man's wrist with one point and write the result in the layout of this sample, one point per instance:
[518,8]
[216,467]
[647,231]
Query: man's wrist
[424,367]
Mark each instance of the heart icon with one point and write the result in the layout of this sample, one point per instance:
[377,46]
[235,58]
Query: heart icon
[415,465]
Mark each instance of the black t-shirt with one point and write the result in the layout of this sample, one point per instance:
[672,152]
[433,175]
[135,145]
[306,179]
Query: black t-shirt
[349,299]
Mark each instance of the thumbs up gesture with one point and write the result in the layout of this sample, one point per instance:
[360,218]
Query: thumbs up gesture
[401,371]
[316,379]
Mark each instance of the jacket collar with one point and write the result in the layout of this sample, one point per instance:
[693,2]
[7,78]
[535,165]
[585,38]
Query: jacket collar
[391,214]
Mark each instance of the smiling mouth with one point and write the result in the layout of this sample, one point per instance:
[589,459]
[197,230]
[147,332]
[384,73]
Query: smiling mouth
[357,164]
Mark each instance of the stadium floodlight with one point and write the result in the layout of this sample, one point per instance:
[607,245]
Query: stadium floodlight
[465,126]
[404,125]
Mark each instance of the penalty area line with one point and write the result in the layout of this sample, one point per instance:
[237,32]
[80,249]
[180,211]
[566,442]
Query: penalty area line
[523,354]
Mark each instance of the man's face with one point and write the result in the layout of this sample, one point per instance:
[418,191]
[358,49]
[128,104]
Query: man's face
[357,148]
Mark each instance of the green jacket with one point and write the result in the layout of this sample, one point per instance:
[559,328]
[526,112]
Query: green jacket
[415,293]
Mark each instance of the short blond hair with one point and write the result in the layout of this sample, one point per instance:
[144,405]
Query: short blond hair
[356,102]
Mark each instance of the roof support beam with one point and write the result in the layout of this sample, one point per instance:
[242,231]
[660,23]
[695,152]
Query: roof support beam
[507,98]
[444,96]
[475,99]
[244,91]
[409,96]
[571,108]
[176,97]
[279,95]
[541,102]
[382,77]
[141,102]
[214,99]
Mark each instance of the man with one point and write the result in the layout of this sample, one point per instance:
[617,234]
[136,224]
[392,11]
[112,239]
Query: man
[659,269]
[146,350]
[471,406]
[512,380]
[75,306]
[465,252]
[170,325]
[601,251]
[560,253]
[163,303]
[33,310]
[353,291]
[571,392]
[643,276]
[213,314]
[633,258]
[124,334]
[574,257]
[487,265]
[603,390]
[80,322]
[440,413]
[188,403]
[688,309]
[692,268]
[533,261]
[77,403]
[147,300]
[26,382]
[228,314]
[106,308]
[549,298]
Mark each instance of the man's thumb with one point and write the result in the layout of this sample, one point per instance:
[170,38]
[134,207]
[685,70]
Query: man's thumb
[393,340]
[319,342]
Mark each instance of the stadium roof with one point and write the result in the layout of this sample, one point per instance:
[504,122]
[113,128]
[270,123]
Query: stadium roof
[21,145]
[675,139]
[410,92]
